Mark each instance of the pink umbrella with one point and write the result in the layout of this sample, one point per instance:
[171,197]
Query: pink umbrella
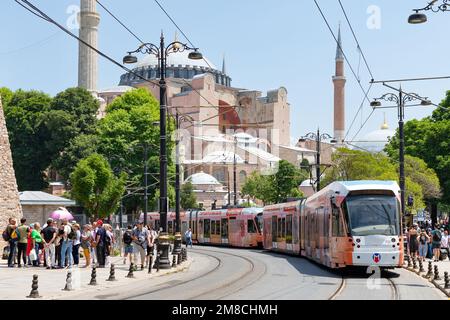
[61,213]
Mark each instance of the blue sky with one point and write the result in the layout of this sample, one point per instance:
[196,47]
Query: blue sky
[267,44]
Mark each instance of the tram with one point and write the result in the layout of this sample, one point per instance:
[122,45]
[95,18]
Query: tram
[354,223]
[235,227]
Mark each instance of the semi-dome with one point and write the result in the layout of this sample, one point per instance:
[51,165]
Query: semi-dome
[375,141]
[202,179]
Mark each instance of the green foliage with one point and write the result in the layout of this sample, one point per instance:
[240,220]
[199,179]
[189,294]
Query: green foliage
[428,139]
[277,187]
[170,195]
[187,196]
[28,136]
[6,96]
[134,98]
[95,187]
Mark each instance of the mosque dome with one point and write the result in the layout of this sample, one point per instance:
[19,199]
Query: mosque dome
[375,141]
[179,66]
[202,179]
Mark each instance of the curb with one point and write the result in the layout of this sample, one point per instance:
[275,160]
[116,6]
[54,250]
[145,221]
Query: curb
[429,279]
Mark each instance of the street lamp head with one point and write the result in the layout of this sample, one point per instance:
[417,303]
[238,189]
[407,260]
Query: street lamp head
[417,18]
[334,141]
[301,140]
[375,104]
[425,102]
[195,55]
[129,59]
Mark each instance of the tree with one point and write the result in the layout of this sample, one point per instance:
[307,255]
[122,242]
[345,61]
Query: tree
[25,112]
[187,196]
[95,187]
[277,187]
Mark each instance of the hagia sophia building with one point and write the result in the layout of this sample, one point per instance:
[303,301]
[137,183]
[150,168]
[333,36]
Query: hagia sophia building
[249,129]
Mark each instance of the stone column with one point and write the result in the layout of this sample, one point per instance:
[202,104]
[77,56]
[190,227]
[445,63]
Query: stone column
[88,58]
[9,196]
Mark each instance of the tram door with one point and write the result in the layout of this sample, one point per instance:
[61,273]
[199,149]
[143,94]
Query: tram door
[224,230]
[274,232]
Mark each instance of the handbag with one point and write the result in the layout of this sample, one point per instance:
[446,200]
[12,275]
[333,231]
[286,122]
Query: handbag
[33,255]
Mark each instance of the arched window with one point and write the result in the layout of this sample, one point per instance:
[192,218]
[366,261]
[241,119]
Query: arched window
[242,176]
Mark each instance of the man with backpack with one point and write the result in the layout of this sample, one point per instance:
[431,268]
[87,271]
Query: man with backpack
[436,244]
[128,244]
[10,235]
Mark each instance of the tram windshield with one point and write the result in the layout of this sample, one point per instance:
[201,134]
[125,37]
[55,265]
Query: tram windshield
[372,215]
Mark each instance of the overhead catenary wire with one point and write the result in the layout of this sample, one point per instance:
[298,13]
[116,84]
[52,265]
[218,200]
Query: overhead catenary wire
[39,13]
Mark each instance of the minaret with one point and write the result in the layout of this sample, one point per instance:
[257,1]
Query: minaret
[224,67]
[339,93]
[88,58]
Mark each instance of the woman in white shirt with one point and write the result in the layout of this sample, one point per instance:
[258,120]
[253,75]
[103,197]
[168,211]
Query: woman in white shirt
[76,245]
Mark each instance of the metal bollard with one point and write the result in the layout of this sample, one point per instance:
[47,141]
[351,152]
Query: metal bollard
[447,281]
[179,258]
[93,277]
[157,261]
[150,263]
[174,261]
[421,269]
[414,263]
[408,259]
[430,270]
[34,288]
[436,273]
[130,271]
[112,273]
[185,254]
[68,286]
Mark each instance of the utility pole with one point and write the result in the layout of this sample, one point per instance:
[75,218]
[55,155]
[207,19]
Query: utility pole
[234,174]
[145,183]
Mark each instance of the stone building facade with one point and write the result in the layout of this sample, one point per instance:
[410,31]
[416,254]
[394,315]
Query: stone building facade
[9,195]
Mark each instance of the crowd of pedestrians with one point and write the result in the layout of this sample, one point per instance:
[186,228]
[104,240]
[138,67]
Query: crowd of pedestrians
[58,243]
[425,242]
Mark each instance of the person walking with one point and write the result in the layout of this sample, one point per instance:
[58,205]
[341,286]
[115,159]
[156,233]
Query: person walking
[444,242]
[36,243]
[140,238]
[66,245]
[100,244]
[188,237]
[86,239]
[128,244]
[424,239]
[76,244]
[12,240]
[22,234]
[49,234]
[436,243]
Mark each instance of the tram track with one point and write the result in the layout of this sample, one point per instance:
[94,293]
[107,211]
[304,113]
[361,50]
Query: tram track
[339,290]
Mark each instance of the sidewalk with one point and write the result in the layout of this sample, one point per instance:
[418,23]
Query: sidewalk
[15,283]
[442,266]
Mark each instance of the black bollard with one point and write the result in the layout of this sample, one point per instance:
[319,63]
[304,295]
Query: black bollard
[447,280]
[436,273]
[150,263]
[179,258]
[112,274]
[174,261]
[409,261]
[414,263]
[93,277]
[421,269]
[130,271]
[185,254]
[430,270]
[34,288]
[157,261]
[68,286]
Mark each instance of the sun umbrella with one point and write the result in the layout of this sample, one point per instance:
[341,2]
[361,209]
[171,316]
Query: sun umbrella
[61,213]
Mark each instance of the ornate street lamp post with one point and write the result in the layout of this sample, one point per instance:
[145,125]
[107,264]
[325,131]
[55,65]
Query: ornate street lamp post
[162,53]
[318,137]
[400,101]
[417,17]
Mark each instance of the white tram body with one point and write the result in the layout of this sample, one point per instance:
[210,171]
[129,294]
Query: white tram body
[352,223]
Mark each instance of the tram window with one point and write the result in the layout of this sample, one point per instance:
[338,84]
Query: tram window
[170,227]
[251,226]
[280,232]
[224,228]
[289,229]
[336,226]
[274,229]
[200,226]
[213,227]
[283,228]
[207,228]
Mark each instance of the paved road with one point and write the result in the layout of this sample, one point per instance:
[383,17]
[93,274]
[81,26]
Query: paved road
[222,273]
